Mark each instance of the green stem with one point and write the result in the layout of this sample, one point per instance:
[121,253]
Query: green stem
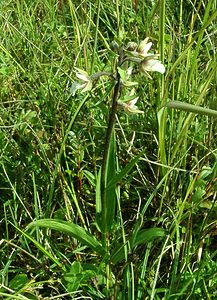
[106,148]
[108,136]
[112,113]
[105,238]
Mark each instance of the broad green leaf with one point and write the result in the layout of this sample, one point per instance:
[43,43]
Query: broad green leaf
[91,178]
[73,276]
[130,83]
[147,235]
[198,195]
[80,275]
[73,286]
[122,74]
[73,230]
[76,268]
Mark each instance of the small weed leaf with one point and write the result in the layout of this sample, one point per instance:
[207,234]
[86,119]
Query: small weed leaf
[18,281]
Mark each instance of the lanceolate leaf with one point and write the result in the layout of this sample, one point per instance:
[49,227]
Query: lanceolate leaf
[73,230]
[192,108]
[98,202]
[117,178]
[146,235]
[39,246]
[143,236]
[111,193]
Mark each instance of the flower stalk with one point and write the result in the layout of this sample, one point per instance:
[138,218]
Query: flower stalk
[111,122]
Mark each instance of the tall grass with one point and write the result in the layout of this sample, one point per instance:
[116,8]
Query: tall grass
[130,214]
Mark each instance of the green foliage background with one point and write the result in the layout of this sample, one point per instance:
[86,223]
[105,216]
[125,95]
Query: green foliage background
[51,146]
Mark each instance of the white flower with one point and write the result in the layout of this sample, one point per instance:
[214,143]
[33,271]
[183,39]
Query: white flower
[153,65]
[149,63]
[130,107]
[85,84]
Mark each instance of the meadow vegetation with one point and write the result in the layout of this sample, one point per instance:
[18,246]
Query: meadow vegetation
[100,199]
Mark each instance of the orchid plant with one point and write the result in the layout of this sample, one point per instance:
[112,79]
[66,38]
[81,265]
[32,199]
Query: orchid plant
[132,58]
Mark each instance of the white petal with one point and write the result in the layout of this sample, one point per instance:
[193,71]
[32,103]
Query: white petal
[83,77]
[158,67]
[76,86]
[81,71]
[87,87]
[153,65]
[132,110]
[132,102]
[146,48]
[129,72]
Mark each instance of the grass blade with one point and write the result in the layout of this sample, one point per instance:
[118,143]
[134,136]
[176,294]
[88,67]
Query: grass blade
[40,247]
[62,149]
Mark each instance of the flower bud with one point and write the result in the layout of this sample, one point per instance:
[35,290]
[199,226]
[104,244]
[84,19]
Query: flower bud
[114,46]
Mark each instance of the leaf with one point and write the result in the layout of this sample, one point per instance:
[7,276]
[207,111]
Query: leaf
[73,230]
[130,83]
[143,236]
[98,202]
[117,178]
[146,235]
[19,281]
[84,73]
[71,276]
[39,246]
[80,275]
[110,192]
[122,74]
[192,108]
[91,178]
[198,195]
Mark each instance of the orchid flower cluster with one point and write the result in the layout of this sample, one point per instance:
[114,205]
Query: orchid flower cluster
[137,54]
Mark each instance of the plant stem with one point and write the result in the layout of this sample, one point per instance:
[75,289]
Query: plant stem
[109,132]
[113,109]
